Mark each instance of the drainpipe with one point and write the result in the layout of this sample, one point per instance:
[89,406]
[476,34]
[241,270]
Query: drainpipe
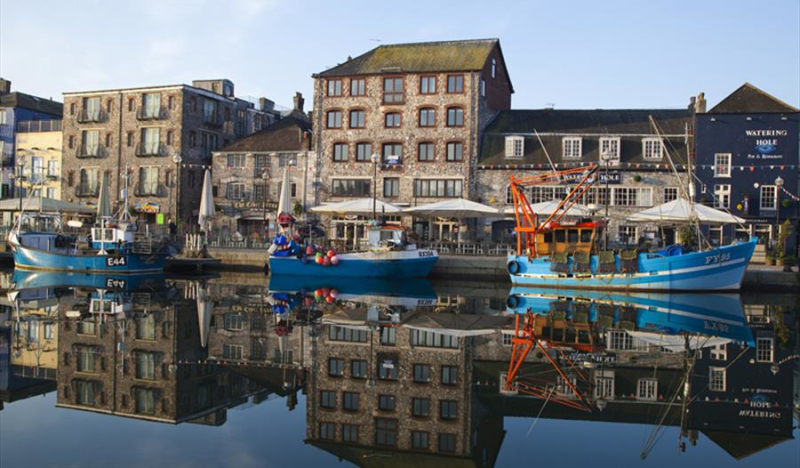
[119,147]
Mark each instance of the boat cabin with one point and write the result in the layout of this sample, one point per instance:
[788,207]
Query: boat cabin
[387,237]
[568,238]
[111,237]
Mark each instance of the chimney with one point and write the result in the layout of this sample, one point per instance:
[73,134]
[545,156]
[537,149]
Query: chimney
[298,101]
[5,86]
[692,101]
[700,106]
[265,105]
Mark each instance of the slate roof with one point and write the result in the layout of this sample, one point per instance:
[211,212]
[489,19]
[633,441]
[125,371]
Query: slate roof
[36,104]
[749,99]
[590,124]
[283,135]
[421,57]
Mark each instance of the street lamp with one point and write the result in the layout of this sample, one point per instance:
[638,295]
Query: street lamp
[778,185]
[177,159]
[375,158]
[264,177]
[606,158]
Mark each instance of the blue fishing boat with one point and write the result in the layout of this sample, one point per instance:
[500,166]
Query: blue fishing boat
[389,255]
[26,279]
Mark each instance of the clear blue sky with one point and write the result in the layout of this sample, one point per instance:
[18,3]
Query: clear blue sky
[575,54]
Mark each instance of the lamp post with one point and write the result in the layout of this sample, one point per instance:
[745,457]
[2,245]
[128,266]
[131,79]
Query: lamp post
[375,158]
[778,185]
[177,159]
[606,158]
[264,177]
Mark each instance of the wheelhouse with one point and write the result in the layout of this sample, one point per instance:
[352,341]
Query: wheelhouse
[569,238]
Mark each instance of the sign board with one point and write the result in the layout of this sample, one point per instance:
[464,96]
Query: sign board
[393,159]
[160,218]
[147,207]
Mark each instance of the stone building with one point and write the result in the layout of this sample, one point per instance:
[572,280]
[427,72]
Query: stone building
[244,197]
[420,108]
[145,131]
[638,168]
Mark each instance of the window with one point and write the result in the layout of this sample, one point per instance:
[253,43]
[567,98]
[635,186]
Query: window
[52,168]
[236,161]
[171,102]
[85,392]
[652,148]
[232,351]
[441,188]
[392,90]
[335,367]
[393,120]
[90,143]
[719,352]
[604,385]
[632,196]
[447,409]
[335,119]
[146,327]
[722,165]
[131,104]
[209,111]
[419,440]
[337,333]
[387,369]
[515,147]
[327,431]
[609,148]
[427,85]
[392,153]
[391,187]
[327,399]
[385,432]
[358,369]
[334,88]
[146,366]
[455,117]
[349,433]
[150,141]
[764,348]
[422,373]
[350,187]
[151,105]
[388,336]
[455,84]
[91,108]
[89,180]
[722,195]
[647,390]
[483,87]
[426,151]
[420,407]
[148,180]
[170,137]
[357,119]
[450,374]
[235,191]
[85,355]
[494,68]
[716,379]
[386,402]
[670,194]
[769,194]
[447,443]
[455,151]
[71,141]
[340,152]
[358,87]
[573,147]
[145,400]
[427,117]
[628,235]
[49,331]
[363,152]
[108,140]
[233,321]
[350,401]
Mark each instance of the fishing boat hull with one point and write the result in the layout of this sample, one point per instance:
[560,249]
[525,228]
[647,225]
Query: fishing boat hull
[27,258]
[391,264]
[717,269]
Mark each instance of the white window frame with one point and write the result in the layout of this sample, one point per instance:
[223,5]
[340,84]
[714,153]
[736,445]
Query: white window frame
[722,160]
[506,338]
[773,198]
[648,149]
[570,146]
[612,143]
[604,385]
[722,195]
[515,147]
[647,389]
[770,349]
[719,352]
[483,87]
[664,195]
[711,372]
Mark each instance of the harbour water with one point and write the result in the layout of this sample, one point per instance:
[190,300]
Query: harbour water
[241,370]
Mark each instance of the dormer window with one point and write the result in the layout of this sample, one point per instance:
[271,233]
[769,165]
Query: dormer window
[609,151]
[515,147]
[652,148]
[573,147]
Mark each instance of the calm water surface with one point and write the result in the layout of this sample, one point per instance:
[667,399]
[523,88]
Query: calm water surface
[242,371]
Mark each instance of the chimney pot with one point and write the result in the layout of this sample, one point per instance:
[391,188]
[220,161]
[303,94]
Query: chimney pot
[5,86]
[298,101]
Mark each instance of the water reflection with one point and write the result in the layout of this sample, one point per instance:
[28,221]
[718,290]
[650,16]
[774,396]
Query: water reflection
[404,369]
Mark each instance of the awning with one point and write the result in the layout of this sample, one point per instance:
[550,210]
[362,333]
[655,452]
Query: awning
[362,206]
[684,211]
[455,208]
[48,205]
[547,208]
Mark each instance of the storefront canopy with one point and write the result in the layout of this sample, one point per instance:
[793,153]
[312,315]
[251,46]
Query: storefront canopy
[455,208]
[361,206]
[684,211]
[547,208]
[48,205]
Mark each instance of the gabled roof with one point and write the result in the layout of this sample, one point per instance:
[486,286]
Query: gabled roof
[420,57]
[749,99]
[34,103]
[283,135]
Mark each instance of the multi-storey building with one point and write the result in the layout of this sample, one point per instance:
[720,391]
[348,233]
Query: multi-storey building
[16,107]
[38,142]
[162,136]
[635,150]
[247,175]
[419,108]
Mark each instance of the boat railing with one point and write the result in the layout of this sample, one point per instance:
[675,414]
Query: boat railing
[142,243]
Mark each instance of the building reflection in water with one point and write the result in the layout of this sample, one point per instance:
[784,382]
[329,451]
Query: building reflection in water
[399,370]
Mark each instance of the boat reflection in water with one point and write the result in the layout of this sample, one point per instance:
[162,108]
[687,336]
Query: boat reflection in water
[393,369]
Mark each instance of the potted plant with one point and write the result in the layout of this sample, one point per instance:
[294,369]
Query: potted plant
[637,178]
[770,259]
[780,248]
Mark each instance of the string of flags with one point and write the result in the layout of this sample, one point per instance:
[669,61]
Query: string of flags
[751,168]
[790,194]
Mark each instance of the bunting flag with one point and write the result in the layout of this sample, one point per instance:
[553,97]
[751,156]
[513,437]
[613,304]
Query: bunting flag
[789,194]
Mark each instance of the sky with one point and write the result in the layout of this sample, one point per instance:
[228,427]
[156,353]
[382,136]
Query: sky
[570,54]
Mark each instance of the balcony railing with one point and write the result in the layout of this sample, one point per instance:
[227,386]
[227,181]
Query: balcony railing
[150,190]
[91,151]
[212,120]
[84,116]
[152,114]
[151,150]
[87,190]
[32,126]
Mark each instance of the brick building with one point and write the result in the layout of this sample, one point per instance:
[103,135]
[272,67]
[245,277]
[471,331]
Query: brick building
[244,197]
[420,107]
[145,130]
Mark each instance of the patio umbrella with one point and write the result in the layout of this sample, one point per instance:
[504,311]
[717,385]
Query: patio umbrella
[205,308]
[455,208]
[284,202]
[361,206]
[548,207]
[684,211]
[103,202]
[206,203]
